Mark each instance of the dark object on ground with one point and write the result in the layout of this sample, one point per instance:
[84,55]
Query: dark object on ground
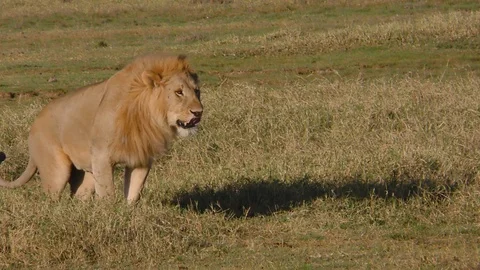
[2,157]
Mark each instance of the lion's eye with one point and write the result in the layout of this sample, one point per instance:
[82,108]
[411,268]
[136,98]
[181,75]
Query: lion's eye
[179,93]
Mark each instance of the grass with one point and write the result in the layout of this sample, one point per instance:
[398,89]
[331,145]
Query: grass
[337,134]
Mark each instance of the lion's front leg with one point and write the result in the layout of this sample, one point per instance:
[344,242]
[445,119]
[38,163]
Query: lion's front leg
[134,182]
[103,173]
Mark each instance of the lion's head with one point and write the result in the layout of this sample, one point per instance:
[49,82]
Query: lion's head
[179,95]
[163,102]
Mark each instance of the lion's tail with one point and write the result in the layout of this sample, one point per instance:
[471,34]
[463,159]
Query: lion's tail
[24,178]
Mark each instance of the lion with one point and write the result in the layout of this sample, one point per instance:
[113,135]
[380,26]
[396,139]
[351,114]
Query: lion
[127,119]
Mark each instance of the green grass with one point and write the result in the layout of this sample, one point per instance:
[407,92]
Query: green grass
[337,134]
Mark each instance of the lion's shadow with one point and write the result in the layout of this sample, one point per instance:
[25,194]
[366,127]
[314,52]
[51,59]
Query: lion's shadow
[251,197]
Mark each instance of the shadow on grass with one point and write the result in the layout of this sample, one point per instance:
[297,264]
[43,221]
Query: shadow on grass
[249,197]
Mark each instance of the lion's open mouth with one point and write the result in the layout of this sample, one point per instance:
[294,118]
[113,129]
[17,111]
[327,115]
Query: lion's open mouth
[193,123]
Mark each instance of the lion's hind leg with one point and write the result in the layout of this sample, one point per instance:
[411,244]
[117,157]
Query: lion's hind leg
[82,184]
[54,167]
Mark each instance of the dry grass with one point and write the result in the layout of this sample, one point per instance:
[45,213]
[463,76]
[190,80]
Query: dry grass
[314,37]
[293,168]
[436,28]
[30,8]
[387,166]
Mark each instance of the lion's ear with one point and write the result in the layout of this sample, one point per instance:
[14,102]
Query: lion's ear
[182,62]
[151,78]
[182,57]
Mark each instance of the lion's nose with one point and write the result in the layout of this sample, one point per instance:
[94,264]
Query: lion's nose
[197,113]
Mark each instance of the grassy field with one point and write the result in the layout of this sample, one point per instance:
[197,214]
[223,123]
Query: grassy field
[337,134]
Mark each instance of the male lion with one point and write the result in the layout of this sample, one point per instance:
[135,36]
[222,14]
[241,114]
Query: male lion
[127,119]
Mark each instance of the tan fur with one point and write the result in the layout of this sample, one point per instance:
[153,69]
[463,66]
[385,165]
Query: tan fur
[129,119]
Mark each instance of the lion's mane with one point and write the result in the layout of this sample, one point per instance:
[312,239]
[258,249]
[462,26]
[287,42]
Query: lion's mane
[139,135]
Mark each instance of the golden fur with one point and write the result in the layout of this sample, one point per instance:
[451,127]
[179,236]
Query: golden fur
[127,119]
